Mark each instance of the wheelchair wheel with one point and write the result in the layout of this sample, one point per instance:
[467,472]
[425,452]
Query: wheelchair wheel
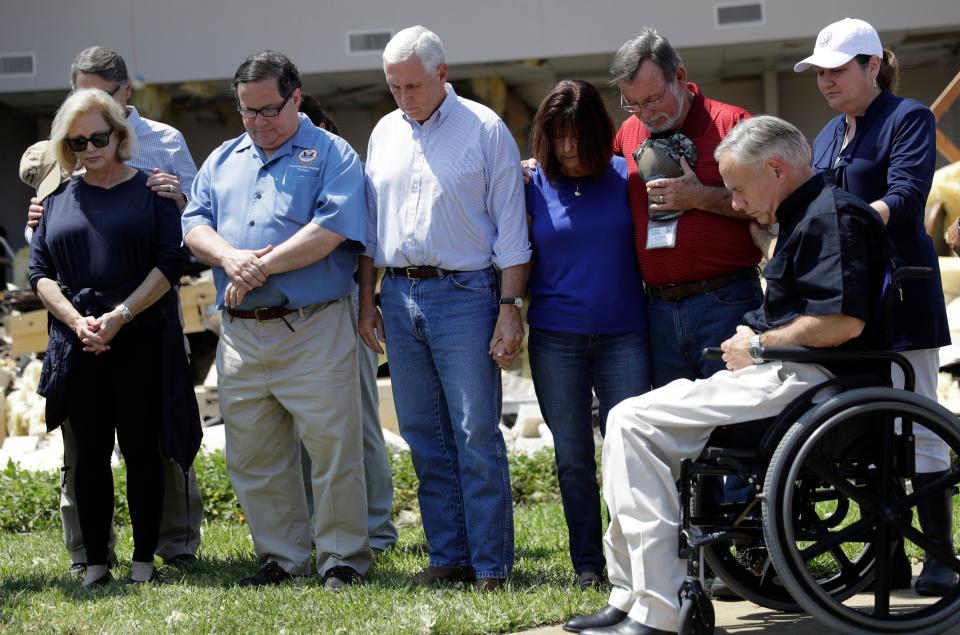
[868,472]
[748,570]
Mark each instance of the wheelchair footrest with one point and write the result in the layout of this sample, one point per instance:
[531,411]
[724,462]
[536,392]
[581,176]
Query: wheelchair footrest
[699,540]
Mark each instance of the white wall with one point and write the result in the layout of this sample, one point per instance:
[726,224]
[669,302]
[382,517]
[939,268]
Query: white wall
[187,40]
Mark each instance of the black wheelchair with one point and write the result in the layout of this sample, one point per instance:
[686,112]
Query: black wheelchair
[829,501]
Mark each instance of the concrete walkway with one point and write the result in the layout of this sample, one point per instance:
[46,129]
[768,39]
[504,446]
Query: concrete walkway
[734,618]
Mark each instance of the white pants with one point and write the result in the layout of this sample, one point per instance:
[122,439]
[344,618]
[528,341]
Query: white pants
[647,438]
[932,454]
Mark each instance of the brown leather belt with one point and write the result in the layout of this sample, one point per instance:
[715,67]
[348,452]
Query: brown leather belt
[268,313]
[679,291]
[419,273]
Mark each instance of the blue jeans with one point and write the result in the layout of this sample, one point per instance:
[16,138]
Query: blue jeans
[567,368]
[446,389]
[679,331]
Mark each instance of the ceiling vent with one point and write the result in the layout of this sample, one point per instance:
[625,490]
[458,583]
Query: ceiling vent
[17,65]
[740,14]
[363,42]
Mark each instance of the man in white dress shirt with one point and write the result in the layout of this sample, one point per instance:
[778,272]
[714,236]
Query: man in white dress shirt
[448,224]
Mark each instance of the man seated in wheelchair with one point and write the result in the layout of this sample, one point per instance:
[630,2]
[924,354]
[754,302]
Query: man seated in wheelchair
[823,283]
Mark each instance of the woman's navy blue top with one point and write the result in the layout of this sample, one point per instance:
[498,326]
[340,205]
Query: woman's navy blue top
[892,157]
[584,277]
[99,245]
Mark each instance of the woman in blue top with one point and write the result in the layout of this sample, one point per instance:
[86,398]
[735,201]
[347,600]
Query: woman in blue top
[588,311]
[883,149]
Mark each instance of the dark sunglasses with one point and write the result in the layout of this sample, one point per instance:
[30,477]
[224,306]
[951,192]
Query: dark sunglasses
[98,139]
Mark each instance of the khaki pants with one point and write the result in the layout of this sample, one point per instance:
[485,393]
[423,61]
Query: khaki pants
[647,437]
[278,388]
[179,523]
[376,467]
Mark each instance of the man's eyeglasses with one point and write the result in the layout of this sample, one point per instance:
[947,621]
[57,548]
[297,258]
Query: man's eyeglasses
[98,139]
[646,104]
[251,113]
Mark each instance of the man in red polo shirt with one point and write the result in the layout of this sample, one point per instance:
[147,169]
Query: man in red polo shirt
[699,268]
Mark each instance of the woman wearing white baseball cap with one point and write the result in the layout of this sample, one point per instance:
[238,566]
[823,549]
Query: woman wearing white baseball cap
[882,148]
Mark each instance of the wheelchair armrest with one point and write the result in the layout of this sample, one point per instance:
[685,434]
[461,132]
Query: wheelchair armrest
[828,355]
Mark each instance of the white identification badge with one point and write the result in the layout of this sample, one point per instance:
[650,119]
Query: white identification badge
[662,234]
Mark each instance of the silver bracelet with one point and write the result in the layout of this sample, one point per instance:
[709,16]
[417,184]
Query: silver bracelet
[125,313]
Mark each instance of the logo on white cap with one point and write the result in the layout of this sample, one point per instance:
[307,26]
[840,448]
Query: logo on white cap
[824,40]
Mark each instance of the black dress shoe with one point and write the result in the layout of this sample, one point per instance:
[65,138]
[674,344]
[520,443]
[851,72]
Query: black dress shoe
[589,580]
[626,627]
[270,573]
[338,577]
[607,616]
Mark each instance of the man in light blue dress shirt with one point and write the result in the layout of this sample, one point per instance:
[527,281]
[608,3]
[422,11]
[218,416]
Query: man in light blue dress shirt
[161,152]
[448,223]
[280,215]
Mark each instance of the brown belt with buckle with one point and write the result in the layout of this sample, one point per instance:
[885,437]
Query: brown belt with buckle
[679,291]
[419,273]
[268,313]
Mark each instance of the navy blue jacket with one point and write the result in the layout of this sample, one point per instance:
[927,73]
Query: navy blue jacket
[99,245]
[892,157]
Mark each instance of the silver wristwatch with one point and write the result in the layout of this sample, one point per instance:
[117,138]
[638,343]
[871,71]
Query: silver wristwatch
[125,313]
[517,302]
[756,350]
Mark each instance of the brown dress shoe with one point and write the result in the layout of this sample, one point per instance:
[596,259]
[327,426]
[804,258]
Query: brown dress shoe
[434,575]
[489,584]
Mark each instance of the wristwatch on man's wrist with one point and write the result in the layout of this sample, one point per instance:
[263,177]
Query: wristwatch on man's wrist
[517,302]
[756,350]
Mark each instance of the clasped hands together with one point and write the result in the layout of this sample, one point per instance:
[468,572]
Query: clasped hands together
[96,333]
[247,270]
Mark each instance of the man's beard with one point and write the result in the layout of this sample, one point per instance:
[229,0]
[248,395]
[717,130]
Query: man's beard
[661,122]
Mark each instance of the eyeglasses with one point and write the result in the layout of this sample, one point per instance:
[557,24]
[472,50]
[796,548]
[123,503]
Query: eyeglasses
[98,139]
[646,104]
[251,113]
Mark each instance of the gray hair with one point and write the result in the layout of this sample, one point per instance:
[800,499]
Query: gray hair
[416,41]
[759,139]
[649,45]
[102,62]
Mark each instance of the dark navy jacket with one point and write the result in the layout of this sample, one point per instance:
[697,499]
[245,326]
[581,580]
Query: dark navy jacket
[892,158]
[831,257]
[99,245]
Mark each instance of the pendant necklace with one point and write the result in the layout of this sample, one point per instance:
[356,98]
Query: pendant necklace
[576,191]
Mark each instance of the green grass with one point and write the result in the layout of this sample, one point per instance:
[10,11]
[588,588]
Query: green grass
[37,595]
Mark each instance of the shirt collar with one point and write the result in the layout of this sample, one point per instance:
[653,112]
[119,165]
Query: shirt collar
[441,113]
[798,200]
[697,117]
